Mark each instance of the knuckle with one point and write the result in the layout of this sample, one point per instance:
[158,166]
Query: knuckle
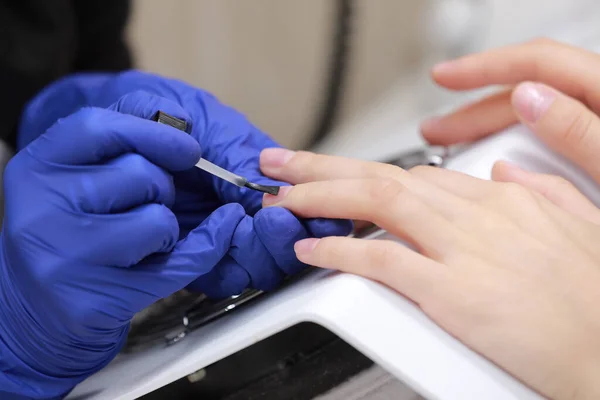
[390,170]
[422,170]
[369,169]
[511,190]
[579,128]
[381,256]
[386,191]
[508,193]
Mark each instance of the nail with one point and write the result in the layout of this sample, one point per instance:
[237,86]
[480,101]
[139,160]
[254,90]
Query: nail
[275,157]
[532,100]
[505,171]
[509,165]
[430,124]
[305,246]
[270,200]
[444,67]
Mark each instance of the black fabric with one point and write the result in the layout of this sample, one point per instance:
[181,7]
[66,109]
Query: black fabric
[43,40]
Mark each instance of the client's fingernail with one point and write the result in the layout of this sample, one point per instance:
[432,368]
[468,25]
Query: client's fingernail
[509,165]
[305,246]
[532,100]
[444,67]
[275,157]
[269,199]
[430,124]
[502,170]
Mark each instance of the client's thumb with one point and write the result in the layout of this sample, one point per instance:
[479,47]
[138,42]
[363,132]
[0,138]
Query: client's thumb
[563,123]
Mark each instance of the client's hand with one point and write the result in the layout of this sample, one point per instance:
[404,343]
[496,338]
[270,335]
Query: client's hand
[507,271]
[557,95]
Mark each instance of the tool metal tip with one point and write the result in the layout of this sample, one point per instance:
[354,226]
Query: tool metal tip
[274,190]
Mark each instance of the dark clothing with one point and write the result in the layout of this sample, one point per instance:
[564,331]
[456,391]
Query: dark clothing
[43,40]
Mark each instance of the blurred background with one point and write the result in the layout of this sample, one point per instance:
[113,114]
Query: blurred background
[344,77]
[334,75]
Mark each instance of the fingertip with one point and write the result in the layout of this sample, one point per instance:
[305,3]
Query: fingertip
[304,248]
[432,131]
[445,73]
[504,171]
[444,130]
[430,125]
[192,153]
[171,225]
[187,151]
[251,200]
[443,68]
[531,101]
[500,166]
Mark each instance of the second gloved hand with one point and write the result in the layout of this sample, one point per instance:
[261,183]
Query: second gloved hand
[89,240]
[263,246]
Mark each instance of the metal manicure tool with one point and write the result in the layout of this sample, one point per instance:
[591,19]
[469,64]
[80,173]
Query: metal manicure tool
[211,168]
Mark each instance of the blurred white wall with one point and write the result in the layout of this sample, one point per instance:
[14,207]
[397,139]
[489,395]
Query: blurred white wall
[268,58]
[391,122]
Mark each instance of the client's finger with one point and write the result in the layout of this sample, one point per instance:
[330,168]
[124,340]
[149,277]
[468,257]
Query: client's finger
[306,167]
[457,183]
[563,123]
[555,188]
[302,167]
[571,70]
[385,202]
[393,264]
[471,122]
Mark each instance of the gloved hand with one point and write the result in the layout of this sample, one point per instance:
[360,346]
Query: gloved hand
[88,240]
[263,247]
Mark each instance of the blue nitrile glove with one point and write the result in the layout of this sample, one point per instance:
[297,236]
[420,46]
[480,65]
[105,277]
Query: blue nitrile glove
[89,240]
[229,140]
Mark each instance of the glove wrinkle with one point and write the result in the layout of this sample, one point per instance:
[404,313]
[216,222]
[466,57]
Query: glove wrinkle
[249,252]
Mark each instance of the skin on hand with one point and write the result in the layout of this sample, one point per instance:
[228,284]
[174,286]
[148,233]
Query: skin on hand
[510,269]
[553,88]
